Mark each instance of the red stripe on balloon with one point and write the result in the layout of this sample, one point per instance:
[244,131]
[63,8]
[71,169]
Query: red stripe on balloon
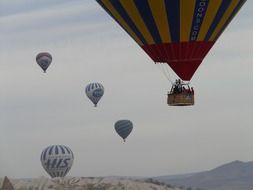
[184,58]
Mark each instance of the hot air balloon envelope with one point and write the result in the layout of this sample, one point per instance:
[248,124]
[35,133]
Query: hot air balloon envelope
[57,160]
[94,92]
[44,59]
[123,128]
[177,32]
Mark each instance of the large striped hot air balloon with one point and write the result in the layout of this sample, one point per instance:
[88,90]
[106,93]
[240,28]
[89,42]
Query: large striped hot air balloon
[57,160]
[179,33]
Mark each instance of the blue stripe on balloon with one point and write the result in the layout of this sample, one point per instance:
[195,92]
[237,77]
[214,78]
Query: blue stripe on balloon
[67,149]
[147,16]
[66,171]
[72,153]
[41,156]
[51,150]
[45,153]
[56,150]
[198,17]
[123,13]
[62,150]
[223,7]
[173,14]
[240,4]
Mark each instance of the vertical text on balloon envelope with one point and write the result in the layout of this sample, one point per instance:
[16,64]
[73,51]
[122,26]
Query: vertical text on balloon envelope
[200,10]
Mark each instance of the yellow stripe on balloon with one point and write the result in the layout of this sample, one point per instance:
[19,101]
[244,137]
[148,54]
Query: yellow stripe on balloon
[134,14]
[186,15]
[160,16]
[224,19]
[122,22]
[211,12]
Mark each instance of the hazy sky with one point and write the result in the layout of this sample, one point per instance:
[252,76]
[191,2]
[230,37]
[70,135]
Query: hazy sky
[37,109]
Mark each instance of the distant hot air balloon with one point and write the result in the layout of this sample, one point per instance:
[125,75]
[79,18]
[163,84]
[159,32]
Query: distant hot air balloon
[123,128]
[57,160]
[44,59]
[94,92]
[178,33]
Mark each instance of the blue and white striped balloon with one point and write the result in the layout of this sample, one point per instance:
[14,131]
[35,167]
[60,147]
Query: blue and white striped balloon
[57,160]
[94,91]
[123,128]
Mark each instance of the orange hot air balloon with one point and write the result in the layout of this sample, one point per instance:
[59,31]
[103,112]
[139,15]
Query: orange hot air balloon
[179,33]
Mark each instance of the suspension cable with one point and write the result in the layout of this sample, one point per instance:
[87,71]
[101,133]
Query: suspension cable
[165,71]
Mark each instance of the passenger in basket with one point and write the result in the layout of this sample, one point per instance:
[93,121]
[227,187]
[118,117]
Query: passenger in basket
[192,90]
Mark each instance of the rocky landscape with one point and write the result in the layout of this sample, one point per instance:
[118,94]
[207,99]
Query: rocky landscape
[73,183]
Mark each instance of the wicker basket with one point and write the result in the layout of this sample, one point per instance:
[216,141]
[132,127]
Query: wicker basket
[181,99]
